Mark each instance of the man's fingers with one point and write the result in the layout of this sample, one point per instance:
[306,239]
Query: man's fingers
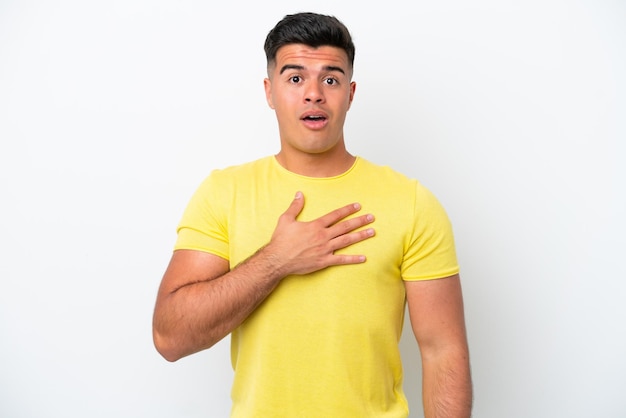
[336,215]
[295,207]
[331,218]
[350,225]
[345,240]
[348,259]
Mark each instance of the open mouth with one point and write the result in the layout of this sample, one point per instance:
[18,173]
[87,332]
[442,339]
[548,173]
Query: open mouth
[314,118]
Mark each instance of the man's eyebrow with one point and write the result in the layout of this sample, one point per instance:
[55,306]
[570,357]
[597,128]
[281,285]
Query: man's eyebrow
[301,67]
[290,67]
[334,68]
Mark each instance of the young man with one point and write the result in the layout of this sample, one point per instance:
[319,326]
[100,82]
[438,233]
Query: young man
[313,296]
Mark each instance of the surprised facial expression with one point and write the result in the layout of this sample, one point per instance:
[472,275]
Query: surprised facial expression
[311,91]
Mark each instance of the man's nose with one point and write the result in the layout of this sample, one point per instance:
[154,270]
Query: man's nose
[314,93]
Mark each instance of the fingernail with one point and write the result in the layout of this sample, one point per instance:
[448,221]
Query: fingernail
[298,195]
[357,206]
[370,217]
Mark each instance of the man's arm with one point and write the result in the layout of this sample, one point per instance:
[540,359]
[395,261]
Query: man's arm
[201,300]
[437,319]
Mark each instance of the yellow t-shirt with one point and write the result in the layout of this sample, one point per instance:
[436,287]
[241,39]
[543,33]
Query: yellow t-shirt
[324,344]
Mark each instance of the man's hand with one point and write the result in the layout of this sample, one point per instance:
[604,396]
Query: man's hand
[305,247]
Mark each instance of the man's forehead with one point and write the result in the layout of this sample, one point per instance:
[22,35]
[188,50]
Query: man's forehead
[300,54]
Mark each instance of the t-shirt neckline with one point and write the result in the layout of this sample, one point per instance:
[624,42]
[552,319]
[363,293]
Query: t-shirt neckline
[279,167]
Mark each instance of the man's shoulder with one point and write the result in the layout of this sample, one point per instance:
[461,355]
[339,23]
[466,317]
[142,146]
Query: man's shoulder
[385,173]
[230,177]
[243,169]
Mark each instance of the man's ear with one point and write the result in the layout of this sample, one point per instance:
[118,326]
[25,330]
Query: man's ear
[352,90]
[267,84]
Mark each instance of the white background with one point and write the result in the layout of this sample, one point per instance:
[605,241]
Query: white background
[112,112]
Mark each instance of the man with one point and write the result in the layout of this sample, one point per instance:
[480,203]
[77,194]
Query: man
[313,296]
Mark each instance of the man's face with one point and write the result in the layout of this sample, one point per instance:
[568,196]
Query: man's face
[311,91]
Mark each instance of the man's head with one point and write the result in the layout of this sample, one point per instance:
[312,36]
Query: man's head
[309,85]
[309,29]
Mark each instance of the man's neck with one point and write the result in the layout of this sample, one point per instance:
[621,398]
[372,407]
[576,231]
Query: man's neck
[316,165]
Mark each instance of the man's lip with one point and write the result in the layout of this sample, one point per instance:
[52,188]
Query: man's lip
[317,123]
[317,114]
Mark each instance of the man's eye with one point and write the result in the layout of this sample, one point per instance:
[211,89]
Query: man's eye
[331,81]
[295,79]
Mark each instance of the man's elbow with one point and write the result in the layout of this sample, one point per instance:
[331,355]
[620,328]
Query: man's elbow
[173,347]
[167,347]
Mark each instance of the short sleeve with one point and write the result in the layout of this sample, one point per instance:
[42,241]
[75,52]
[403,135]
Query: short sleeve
[430,251]
[204,224]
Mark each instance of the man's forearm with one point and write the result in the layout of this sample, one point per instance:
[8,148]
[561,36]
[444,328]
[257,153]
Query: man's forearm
[447,387]
[199,314]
